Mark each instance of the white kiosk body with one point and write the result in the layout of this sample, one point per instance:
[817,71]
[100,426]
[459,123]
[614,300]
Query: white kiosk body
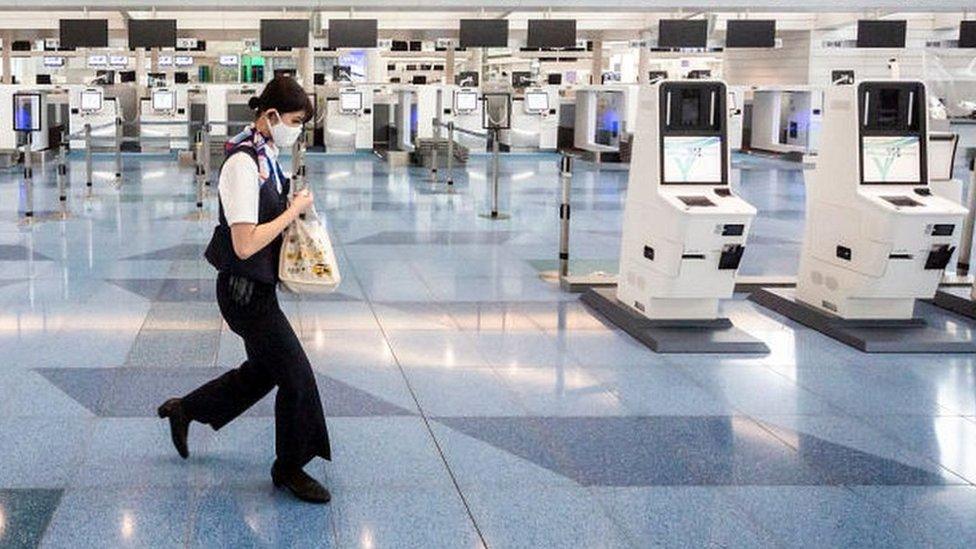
[736,106]
[876,237]
[603,114]
[535,121]
[171,107]
[90,106]
[684,229]
[787,119]
[349,120]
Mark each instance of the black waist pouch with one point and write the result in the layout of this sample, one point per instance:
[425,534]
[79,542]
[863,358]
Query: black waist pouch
[220,251]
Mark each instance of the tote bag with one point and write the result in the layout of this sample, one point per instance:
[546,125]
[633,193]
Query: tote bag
[308,263]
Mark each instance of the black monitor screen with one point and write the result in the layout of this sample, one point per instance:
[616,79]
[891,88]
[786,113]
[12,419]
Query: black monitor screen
[152,33]
[552,33]
[682,33]
[284,33]
[754,33]
[352,33]
[484,33]
[967,34]
[881,34]
[84,33]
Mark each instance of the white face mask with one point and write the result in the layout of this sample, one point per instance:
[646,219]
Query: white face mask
[284,135]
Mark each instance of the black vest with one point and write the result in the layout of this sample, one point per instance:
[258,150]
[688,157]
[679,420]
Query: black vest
[263,265]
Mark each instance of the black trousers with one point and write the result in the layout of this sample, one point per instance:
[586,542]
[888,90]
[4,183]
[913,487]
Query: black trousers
[275,358]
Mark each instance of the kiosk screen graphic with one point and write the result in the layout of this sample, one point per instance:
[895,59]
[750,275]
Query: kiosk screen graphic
[891,160]
[692,160]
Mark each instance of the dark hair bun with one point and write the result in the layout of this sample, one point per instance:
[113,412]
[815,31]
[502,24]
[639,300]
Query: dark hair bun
[254,103]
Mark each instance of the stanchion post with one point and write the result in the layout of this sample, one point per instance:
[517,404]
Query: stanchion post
[206,153]
[88,157]
[118,150]
[198,145]
[966,238]
[298,160]
[29,178]
[494,174]
[62,173]
[433,152]
[450,154]
[566,181]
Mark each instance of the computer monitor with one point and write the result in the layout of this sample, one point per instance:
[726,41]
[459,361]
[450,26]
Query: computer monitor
[27,112]
[91,100]
[466,101]
[42,79]
[554,79]
[536,102]
[181,78]
[692,160]
[891,160]
[163,100]
[350,101]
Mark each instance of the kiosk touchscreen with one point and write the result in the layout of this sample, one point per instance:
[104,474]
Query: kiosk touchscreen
[350,102]
[91,100]
[465,101]
[536,102]
[163,101]
[876,237]
[684,229]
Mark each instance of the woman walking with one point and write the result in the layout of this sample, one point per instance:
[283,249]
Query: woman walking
[245,248]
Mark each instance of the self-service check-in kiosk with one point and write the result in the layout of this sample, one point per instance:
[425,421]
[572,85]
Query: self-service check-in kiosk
[165,114]
[535,126]
[876,239]
[349,120]
[90,106]
[684,228]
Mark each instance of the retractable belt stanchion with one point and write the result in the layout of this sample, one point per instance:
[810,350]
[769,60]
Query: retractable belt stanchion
[450,154]
[62,173]
[562,275]
[966,238]
[28,178]
[118,151]
[88,158]
[298,160]
[495,173]
[206,153]
[433,152]
[566,180]
[198,145]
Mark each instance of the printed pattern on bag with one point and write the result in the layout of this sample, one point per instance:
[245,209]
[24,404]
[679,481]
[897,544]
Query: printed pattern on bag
[308,262]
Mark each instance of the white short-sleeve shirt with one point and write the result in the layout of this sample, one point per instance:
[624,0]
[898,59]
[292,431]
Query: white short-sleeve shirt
[239,188]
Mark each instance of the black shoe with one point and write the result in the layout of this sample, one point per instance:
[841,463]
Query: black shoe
[179,424]
[300,484]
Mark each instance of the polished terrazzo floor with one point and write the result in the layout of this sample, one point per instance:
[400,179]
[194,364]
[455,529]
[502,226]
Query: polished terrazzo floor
[470,403]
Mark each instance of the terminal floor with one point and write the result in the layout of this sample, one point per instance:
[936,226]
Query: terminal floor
[469,402]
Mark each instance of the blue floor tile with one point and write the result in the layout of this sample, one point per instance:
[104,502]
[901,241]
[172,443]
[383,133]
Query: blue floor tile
[25,514]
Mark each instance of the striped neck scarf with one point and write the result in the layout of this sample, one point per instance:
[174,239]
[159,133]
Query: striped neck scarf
[267,152]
